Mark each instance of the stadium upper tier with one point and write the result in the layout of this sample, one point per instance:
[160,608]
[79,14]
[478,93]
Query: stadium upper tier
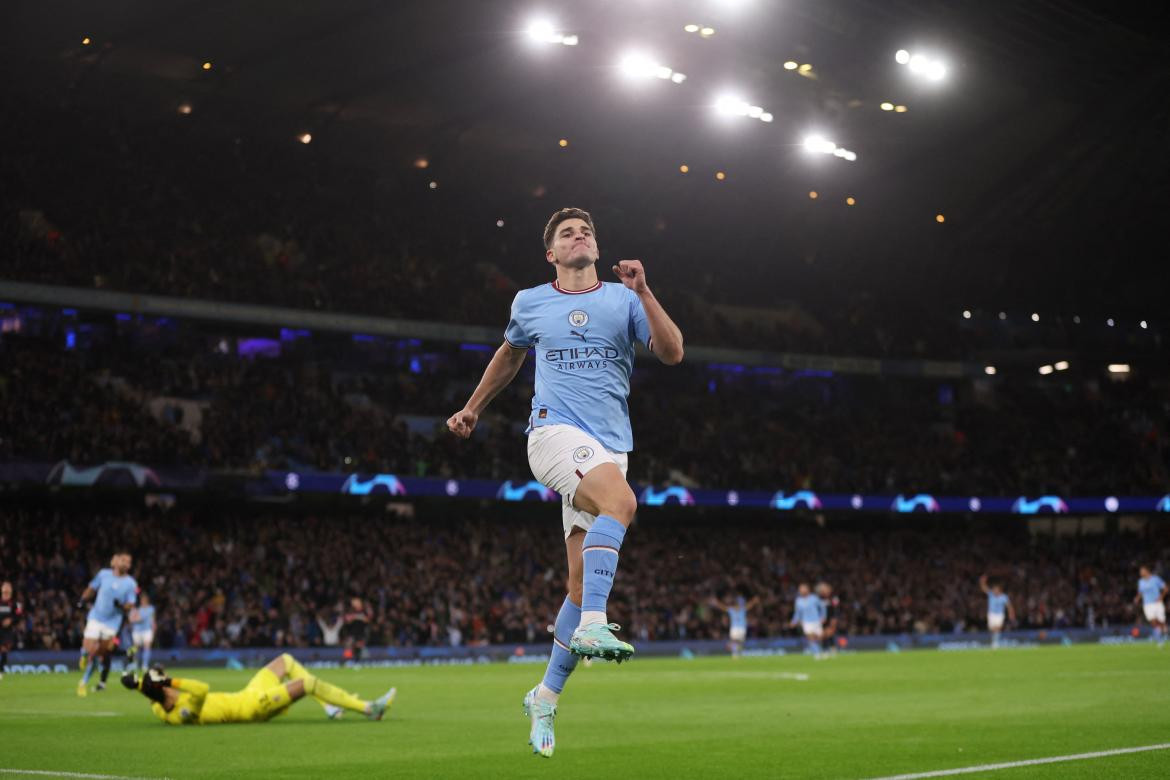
[100,199]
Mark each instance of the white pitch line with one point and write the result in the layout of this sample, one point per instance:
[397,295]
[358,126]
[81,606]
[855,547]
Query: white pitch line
[966,770]
[59,714]
[86,775]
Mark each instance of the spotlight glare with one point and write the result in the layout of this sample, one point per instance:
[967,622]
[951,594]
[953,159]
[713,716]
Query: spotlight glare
[887,106]
[936,71]
[1143,324]
[790,65]
[1061,365]
[1035,317]
[184,108]
[755,112]
[434,185]
[207,66]
[563,143]
[1109,322]
[902,56]
[540,30]
[1119,368]
[850,201]
[1003,315]
[305,138]
[421,163]
[720,175]
[499,223]
[851,156]
[805,68]
[766,117]
[900,109]
[678,78]
[663,72]
[939,218]
[85,41]
[919,64]
[966,314]
[1045,370]
[691,28]
[707,32]
[684,168]
[812,195]
[989,370]
[570,40]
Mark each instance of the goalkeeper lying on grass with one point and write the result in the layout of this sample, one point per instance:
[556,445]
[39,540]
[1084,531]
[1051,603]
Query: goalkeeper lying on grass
[268,694]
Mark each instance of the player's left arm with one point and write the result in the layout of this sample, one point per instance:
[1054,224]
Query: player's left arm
[665,337]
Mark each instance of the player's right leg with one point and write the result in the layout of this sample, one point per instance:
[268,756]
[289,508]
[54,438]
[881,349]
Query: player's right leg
[94,635]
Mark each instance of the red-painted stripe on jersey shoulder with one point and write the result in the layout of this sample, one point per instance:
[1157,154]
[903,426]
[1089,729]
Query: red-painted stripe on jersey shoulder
[558,288]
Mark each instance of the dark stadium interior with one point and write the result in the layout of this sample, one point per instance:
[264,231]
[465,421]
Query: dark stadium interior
[398,161]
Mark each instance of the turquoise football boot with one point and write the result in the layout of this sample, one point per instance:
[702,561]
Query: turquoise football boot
[597,641]
[542,714]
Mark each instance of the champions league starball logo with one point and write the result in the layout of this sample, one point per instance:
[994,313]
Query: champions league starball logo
[525,491]
[805,498]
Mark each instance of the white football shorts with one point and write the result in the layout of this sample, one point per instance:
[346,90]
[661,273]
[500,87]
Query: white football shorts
[96,629]
[994,621]
[1156,612]
[142,638]
[560,456]
[738,634]
[812,628]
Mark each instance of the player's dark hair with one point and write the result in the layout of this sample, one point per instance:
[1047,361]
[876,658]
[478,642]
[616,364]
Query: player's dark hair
[567,213]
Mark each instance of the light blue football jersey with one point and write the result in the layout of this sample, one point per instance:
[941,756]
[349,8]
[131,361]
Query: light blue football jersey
[997,603]
[111,588]
[810,609]
[1151,589]
[584,344]
[145,620]
[737,615]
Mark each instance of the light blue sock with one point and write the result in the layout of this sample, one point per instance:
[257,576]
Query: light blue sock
[145,658]
[89,667]
[600,556]
[561,662]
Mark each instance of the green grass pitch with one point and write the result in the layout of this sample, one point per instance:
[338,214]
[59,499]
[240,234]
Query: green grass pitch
[855,716]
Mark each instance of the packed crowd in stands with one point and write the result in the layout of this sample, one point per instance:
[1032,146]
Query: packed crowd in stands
[104,198]
[323,408]
[221,579]
[721,430]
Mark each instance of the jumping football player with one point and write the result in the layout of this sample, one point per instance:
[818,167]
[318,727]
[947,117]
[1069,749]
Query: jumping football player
[1152,595]
[273,689]
[998,604]
[116,592]
[579,432]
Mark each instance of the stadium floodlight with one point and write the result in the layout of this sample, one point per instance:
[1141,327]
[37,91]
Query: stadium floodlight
[543,31]
[1143,324]
[1110,322]
[924,65]
[733,105]
[640,66]
[1046,370]
[305,138]
[1061,365]
[989,370]
[887,106]
[817,143]
[966,314]
[691,28]
[791,65]
[1119,368]
[1035,317]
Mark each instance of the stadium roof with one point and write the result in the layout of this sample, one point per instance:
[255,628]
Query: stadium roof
[1043,148]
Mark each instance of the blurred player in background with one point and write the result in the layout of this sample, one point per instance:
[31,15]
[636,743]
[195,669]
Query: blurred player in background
[355,628]
[737,620]
[10,614]
[116,594]
[809,613]
[142,628]
[1152,595]
[829,631]
[184,701]
[579,429]
[999,606]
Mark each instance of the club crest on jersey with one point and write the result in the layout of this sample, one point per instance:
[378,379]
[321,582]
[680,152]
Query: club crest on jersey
[582,454]
[578,318]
